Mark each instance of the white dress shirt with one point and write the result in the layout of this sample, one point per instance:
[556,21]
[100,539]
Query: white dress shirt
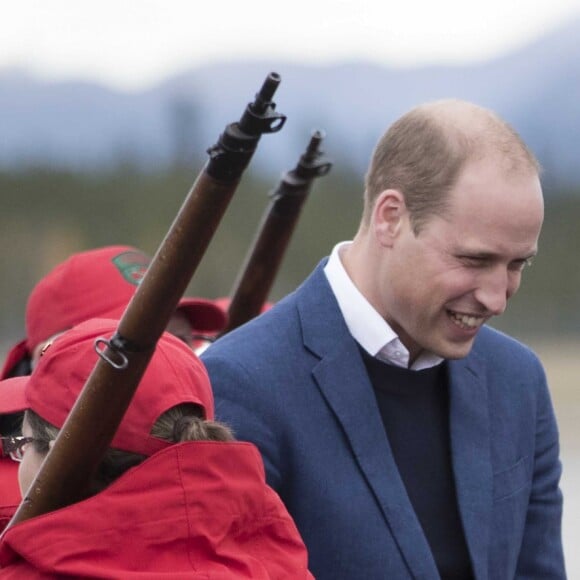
[365,324]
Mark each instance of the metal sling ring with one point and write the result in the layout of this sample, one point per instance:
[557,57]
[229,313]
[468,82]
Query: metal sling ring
[102,353]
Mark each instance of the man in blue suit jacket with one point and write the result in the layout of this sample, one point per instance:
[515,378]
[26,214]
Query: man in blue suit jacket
[407,439]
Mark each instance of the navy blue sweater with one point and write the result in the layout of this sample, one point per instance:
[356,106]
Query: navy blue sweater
[414,406]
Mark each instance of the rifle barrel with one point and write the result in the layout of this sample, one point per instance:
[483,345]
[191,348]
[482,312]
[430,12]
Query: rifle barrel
[263,260]
[95,417]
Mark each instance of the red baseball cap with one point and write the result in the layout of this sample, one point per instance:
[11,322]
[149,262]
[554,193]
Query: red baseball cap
[174,375]
[96,283]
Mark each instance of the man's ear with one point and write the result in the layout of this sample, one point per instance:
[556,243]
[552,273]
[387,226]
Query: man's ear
[389,212]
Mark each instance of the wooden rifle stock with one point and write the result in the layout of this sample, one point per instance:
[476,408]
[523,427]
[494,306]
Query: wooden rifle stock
[90,427]
[253,285]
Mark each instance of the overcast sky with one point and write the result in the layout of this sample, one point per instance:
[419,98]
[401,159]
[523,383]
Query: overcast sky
[130,44]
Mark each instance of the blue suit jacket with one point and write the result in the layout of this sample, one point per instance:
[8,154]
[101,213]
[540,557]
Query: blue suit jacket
[293,382]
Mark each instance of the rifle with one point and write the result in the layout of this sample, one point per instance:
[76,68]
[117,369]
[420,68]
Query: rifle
[263,260]
[87,433]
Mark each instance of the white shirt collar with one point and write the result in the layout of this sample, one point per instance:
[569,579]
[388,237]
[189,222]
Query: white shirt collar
[365,324]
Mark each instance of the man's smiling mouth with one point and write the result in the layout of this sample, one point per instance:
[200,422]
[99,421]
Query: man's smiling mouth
[466,321]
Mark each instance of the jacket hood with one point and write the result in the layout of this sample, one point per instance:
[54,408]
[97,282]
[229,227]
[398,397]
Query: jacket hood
[196,509]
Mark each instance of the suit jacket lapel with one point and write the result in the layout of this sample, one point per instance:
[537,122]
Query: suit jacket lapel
[344,383]
[471,455]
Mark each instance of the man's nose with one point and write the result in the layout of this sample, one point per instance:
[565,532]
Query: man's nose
[494,289]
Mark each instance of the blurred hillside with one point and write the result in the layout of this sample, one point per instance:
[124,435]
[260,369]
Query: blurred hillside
[77,126]
[47,215]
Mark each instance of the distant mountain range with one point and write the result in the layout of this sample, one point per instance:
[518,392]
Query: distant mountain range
[84,125]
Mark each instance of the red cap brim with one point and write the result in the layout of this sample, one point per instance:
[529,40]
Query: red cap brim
[18,352]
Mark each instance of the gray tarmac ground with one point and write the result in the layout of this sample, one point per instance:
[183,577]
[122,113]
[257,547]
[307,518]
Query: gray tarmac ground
[561,359]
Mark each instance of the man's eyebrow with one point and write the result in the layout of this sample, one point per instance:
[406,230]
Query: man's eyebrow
[477,254]
[484,255]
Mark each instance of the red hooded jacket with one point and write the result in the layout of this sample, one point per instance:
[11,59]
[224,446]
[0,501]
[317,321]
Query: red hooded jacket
[9,490]
[194,510]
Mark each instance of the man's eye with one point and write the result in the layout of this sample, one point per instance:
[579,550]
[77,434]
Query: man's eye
[473,261]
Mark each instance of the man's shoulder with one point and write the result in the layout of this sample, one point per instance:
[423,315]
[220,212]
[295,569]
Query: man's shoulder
[506,358]
[260,331]
[278,328]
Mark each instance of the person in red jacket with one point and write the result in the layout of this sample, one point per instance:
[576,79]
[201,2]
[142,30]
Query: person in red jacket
[175,495]
[94,283]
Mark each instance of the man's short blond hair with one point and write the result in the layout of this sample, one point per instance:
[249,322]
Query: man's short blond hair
[423,152]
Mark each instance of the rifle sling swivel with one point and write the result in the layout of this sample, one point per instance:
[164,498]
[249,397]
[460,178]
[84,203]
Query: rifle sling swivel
[119,347]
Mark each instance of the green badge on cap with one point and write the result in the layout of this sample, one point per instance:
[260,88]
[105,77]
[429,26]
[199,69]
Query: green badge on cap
[132,266]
